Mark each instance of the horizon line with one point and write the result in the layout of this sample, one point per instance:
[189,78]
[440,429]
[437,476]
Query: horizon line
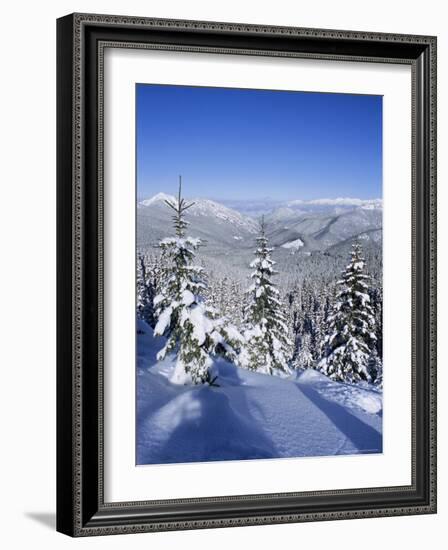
[316,200]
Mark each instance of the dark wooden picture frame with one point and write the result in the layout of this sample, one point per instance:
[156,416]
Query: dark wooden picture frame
[81,510]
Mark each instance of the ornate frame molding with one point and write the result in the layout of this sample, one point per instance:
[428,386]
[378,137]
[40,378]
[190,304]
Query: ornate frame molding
[83,512]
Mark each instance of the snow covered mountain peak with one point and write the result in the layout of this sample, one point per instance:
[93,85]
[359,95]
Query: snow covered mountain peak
[160,197]
[207,207]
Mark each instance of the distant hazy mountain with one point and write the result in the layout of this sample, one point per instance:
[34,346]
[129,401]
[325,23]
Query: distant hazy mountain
[347,202]
[325,223]
[269,206]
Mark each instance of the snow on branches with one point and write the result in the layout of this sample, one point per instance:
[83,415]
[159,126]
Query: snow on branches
[308,318]
[351,339]
[148,276]
[266,330]
[192,329]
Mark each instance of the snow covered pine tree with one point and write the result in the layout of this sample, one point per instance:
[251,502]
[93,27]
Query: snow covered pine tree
[145,293]
[304,358]
[192,330]
[266,331]
[376,368]
[350,339]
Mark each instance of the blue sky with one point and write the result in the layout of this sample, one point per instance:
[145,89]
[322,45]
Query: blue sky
[256,144]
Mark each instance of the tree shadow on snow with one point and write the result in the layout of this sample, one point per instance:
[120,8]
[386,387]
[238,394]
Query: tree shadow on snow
[230,377]
[365,438]
[215,432]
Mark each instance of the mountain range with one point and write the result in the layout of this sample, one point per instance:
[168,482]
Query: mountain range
[296,227]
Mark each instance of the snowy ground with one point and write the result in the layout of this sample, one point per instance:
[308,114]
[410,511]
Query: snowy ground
[249,415]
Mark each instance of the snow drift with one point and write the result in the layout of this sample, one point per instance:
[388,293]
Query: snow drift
[248,415]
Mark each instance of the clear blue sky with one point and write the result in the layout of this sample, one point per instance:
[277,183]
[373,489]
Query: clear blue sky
[254,144]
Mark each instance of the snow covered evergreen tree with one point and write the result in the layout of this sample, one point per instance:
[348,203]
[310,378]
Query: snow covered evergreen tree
[317,334]
[148,278]
[304,358]
[266,333]
[376,297]
[350,338]
[145,294]
[375,366]
[294,319]
[192,329]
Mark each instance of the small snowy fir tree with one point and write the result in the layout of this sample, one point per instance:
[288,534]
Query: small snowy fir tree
[376,368]
[317,334]
[351,336]
[376,297]
[379,374]
[266,333]
[145,293]
[193,332]
[304,357]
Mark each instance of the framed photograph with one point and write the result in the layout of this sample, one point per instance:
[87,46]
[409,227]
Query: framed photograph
[246,274]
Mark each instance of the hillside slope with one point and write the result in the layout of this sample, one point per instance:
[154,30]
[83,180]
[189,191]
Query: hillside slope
[249,415]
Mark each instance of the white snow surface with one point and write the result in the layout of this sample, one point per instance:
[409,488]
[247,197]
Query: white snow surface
[164,319]
[201,324]
[365,398]
[293,244]
[248,415]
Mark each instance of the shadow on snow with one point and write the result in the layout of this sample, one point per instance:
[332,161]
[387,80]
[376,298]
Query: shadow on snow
[365,438]
[209,430]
